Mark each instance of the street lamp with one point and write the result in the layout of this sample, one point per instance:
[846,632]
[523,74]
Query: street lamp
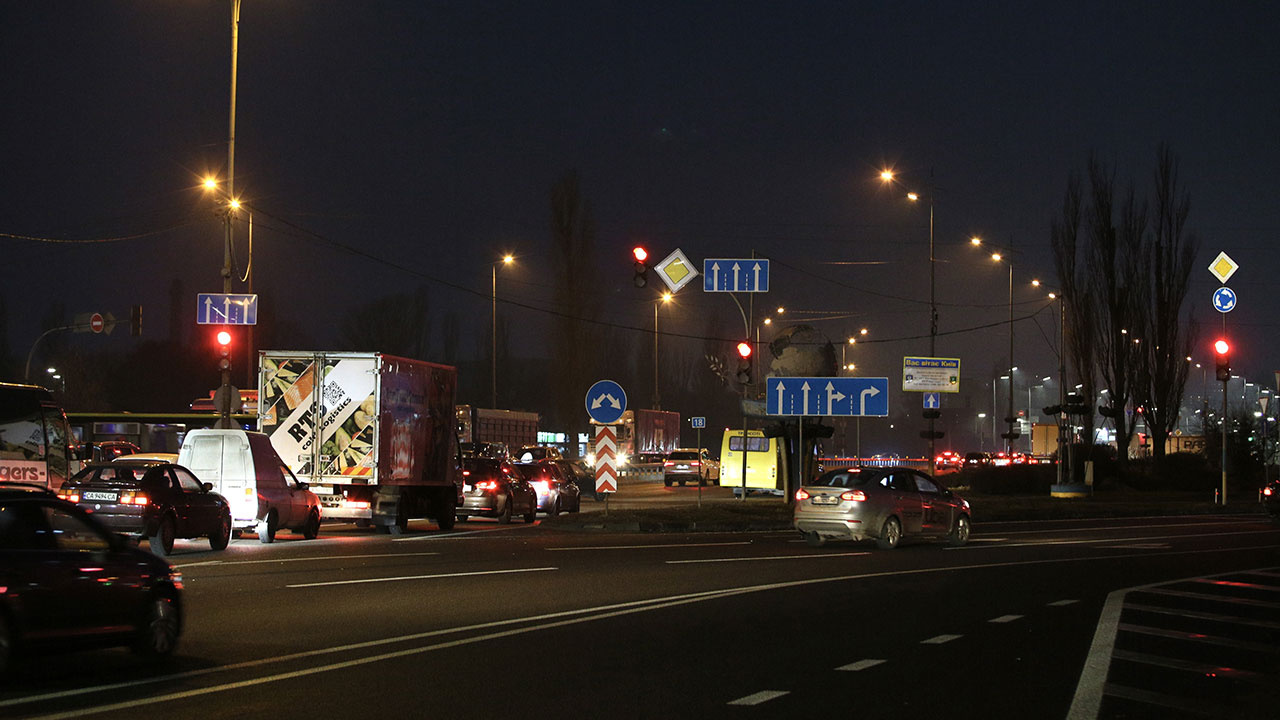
[506,260]
[666,298]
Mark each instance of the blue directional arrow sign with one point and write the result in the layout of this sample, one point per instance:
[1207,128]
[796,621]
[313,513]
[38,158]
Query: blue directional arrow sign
[1224,299]
[932,400]
[226,309]
[837,396]
[606,402]
[735,275]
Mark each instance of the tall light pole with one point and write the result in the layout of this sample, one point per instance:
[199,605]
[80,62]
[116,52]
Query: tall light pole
[231,143]
[493,374]
[887,176]
[666,298]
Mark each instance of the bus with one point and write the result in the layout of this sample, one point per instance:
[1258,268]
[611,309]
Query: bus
[766,463]
[35,439]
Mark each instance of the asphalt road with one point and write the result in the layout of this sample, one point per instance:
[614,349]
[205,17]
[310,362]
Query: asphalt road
[520,621]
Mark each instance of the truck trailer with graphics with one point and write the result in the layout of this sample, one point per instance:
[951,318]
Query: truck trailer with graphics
[372,434]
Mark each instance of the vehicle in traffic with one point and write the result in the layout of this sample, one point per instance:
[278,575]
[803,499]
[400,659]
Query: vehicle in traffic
[264,493]
[374,435]
[509,428]
[646,431]
[948,461]
[690,465]
[67,583]
[533,453]
[1001,459]
[157,456]
[1271,499]
[154,500]
[106,451]
[766,470]
[484,449]
[495,488]
[975,460]
[881,504]
[554,483]
[35,439]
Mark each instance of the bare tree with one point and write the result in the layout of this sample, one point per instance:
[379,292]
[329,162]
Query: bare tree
[1064,238]
[573,237]
[1169,255]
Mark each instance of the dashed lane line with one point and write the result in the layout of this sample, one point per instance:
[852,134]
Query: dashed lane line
[213,563]
[647,547]
[861,665]
[420,577]
[1005,619]
[940,639]
[766,557]
[1062,603]
[763,696]
[1096,541]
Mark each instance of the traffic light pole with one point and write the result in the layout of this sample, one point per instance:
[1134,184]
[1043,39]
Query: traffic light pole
[1224,439]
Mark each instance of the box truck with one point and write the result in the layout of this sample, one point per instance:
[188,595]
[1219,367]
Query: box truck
[489,427]
[372,434]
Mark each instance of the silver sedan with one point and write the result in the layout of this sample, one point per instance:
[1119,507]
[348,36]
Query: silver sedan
[881,504]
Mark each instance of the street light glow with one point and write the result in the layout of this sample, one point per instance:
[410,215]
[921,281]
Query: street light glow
[853,341]
[508,258]
[912,197]
[975,240]
[1035,282]
[768,321]
[781,310]
[666,297]
[886,175]
[995,256]
[863,331]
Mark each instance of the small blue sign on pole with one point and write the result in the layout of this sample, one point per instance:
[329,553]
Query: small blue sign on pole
[828,396]
[697,422]
[606,402]
[1224,299]
[226,309]
[932,400]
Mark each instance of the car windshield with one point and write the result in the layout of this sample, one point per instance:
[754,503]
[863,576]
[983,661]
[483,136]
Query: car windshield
[847,477]
[533,472]
[684,455]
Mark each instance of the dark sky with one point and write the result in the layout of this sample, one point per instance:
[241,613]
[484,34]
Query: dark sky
[429,134]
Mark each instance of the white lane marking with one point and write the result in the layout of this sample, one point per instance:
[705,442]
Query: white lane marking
[769,557]
[1062,603]
[590,614]
[420,577]
[1138,546]
[1095,541]
[647,547]
[761,697]
[304,559]
[1005,619]
[860,665]
[940,639]
[463,534]
[1220,519]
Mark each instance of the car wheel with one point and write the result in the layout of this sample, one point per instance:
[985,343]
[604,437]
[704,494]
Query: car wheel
[6,645]
[959,535]
[813,539]
[219,538]
[666,481]
[463,518]
[267,527]
[162,541]
[577,504]
[505,517]
[681,483]
[554,510]
[890,534]
[158,633]
[311,530]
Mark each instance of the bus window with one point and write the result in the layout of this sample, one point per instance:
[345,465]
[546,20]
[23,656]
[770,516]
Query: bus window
[33,437]
[58,445]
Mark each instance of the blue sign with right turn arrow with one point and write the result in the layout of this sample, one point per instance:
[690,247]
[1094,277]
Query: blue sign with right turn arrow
[829,396]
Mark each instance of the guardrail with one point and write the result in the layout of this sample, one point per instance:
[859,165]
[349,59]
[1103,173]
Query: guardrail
[913,463]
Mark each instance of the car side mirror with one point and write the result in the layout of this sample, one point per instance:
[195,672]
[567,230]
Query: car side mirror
[303,486]
[208,487]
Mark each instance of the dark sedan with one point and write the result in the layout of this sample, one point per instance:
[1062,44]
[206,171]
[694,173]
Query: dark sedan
[881,504]
[156,500]
[494,488]
[553,480]
[1271,499]
[67,583]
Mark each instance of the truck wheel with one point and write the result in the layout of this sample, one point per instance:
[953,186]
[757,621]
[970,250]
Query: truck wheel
[447,509]
[311,530]
[363,524]
[267,527]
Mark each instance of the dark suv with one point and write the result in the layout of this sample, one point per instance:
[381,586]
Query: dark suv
[67,583]
[156,500]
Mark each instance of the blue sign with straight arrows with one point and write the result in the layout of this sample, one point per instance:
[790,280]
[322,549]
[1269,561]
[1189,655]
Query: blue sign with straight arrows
[735,275]
[829,396]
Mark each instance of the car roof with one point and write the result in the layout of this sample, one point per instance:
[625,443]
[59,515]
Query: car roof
[22,491]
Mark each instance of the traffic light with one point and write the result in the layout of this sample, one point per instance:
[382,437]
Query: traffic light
[224,348]
[642,266]
[135,320]
[932,414]
[1075,405]
[1222,356]
[744,362]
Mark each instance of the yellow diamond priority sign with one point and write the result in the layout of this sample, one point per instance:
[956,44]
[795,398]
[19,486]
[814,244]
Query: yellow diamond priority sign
[676,270]
[1223,267]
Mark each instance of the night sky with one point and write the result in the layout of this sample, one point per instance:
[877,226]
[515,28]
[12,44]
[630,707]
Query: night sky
[428,135]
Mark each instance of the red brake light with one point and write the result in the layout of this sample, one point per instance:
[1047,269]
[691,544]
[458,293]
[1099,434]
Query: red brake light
[140,499]
[668,464]
[1266,491]
[854,495]
[696,463]
[487,485]
[801,494]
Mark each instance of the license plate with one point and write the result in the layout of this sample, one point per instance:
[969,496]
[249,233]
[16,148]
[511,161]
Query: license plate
[825,500]
[682,467]
[99,496]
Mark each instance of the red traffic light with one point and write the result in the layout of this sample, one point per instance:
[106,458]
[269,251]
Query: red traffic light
[640,253]
[744,349]
[224,338]
[1221,347]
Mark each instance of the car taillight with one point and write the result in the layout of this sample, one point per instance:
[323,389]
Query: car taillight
[668,464]
[133,499]
[801,494]
[1266,491]
[466,473]
[542,486]
[695,463]
[69,496]
[854,495]
[487,485]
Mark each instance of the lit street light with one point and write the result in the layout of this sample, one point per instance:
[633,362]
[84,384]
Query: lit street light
[493,375]
[666,298]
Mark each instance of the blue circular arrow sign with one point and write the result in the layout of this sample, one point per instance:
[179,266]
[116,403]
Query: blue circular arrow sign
[606,402]
[1224,299]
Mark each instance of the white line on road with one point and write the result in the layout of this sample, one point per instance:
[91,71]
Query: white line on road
[302,559]
[1063,603]
[1094,541]
[940,639]
[420,577]
[588,615]
[1005,619]
[860,665]
[761,697]
[648,547]
[456,535]
[768,557]
[1126,527]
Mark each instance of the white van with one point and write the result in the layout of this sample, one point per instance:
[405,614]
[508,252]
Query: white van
[263,492]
